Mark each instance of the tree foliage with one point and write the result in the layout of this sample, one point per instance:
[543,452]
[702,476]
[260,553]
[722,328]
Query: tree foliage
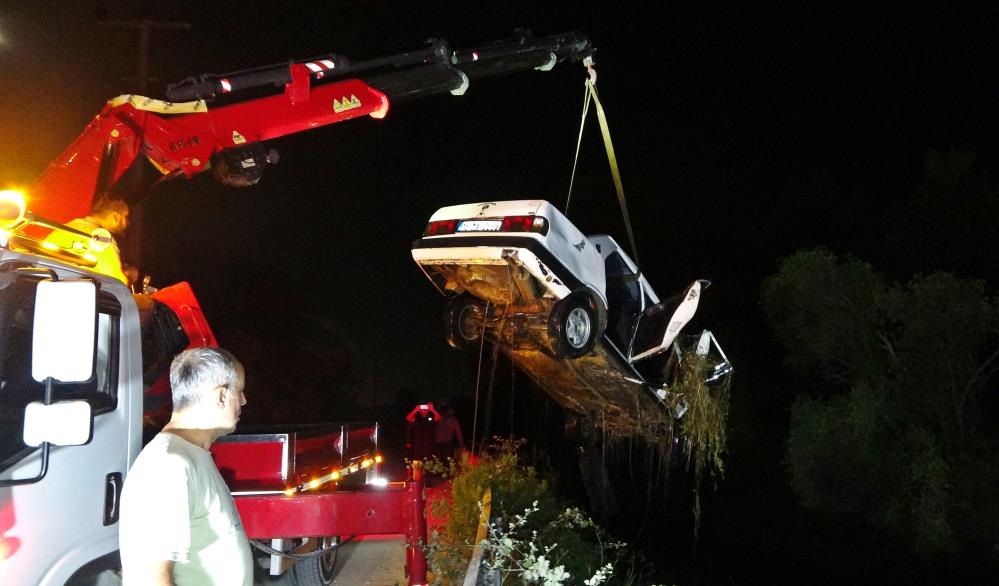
[948,221]
[897,376]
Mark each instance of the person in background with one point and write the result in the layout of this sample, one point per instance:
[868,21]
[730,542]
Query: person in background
[106,213]
[421,431]
[448,437]
[179,525]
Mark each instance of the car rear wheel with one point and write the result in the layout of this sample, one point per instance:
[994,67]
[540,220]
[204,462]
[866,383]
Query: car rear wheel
[463,321]
[572,326]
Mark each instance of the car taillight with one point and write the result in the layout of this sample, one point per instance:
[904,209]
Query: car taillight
[441,228]
[524,224]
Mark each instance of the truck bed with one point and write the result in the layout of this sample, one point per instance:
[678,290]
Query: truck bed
[274,459]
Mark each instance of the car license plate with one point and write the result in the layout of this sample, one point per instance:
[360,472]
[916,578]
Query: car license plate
[479,225]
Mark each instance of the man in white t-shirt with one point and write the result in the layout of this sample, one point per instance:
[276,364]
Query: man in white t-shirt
[179,525]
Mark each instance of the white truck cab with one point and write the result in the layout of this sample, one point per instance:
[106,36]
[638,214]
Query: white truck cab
[70,417]
[59,506]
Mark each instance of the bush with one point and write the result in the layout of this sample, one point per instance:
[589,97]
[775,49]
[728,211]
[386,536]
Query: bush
[534,537]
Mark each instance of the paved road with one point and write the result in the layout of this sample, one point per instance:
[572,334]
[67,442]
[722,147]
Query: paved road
[374,560]
[371,560]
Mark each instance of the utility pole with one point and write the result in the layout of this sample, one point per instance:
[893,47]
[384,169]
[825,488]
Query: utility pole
[132,246]
[145,27]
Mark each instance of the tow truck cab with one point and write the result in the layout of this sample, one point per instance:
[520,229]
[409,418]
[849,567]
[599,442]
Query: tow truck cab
[72,388]
[59,504]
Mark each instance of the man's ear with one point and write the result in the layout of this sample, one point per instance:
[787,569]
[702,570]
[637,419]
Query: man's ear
[221,396]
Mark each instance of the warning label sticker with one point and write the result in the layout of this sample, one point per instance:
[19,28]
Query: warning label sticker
[344,104]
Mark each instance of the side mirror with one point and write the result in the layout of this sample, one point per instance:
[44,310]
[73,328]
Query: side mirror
[66,423]
[62,349]
[64,331]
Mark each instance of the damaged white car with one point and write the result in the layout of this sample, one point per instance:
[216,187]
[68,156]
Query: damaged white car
[521,274]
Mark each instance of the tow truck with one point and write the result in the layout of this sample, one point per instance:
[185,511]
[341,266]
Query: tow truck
[79,361]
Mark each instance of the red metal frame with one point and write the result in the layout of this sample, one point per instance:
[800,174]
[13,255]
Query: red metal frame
[180,298]
[396,509]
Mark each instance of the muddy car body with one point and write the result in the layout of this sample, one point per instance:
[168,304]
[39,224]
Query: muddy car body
[572,310]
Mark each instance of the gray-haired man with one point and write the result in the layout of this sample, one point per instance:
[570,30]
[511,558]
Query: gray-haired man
[179,524]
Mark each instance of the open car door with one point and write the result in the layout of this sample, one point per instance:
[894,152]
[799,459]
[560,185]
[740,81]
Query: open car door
[659,325]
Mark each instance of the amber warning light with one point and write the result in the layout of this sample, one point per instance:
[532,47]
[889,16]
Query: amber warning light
[353,467]
[11,208]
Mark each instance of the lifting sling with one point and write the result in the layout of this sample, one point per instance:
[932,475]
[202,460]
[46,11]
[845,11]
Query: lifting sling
[590,95]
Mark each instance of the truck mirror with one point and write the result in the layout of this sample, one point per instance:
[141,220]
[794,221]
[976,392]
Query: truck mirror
[64,330]
[66,423]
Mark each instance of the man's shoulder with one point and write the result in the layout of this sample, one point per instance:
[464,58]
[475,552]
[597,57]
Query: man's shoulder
[168,451]
[82,224]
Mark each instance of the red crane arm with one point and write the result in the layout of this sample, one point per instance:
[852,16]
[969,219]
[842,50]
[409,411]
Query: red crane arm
[185,143]
[185,137]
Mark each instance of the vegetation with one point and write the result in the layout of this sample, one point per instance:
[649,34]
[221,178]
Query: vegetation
[704,408]
[890,432]
[534,536]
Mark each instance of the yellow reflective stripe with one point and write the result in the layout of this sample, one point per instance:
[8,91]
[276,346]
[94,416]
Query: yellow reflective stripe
[159,106]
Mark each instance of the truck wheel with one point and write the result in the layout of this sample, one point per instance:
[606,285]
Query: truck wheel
[463,321]
[572,327]
[319,570]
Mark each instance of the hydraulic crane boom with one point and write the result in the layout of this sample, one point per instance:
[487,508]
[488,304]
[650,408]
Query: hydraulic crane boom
[184,137]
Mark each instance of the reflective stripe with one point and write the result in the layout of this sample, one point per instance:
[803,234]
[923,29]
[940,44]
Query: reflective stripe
[158,106]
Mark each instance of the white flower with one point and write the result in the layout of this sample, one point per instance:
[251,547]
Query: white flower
[556,576]
[600,576]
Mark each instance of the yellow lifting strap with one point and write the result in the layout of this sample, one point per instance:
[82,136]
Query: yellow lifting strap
[590,95]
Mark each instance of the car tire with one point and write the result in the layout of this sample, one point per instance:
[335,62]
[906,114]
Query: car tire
[572,326]
[463,321]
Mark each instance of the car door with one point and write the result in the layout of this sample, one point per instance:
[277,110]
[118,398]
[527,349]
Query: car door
[660,324]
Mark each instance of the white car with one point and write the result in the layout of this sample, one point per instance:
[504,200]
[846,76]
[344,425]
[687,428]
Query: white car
[521,273]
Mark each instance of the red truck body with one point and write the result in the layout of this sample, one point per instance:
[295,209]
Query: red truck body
[265,472]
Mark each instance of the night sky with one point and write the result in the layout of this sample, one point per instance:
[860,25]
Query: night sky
[743,132]
[724,119]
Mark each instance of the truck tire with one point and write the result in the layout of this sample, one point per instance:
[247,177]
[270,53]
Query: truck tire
[319,570]
[572,326]
[463,321]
